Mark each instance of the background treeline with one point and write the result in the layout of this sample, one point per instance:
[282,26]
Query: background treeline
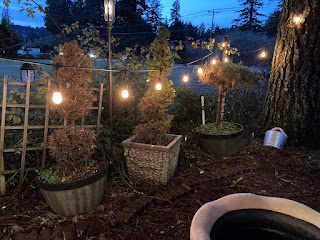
[137,22]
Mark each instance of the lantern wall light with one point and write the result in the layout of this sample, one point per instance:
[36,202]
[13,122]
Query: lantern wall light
[27,71]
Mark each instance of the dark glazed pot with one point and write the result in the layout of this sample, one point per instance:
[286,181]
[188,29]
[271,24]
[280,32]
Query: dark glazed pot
[70,199]
[221,145]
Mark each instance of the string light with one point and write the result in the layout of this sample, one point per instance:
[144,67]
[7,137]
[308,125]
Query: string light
[57,98]
[226,60]
[214,61]
[223,44]
[263,54]
[297,19]
[200,70]
[158,86]
[186,78]
[125,93]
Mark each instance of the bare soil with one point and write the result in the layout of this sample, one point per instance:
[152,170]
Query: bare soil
[133,211]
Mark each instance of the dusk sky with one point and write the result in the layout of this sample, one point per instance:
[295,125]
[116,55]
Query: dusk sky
[196,12]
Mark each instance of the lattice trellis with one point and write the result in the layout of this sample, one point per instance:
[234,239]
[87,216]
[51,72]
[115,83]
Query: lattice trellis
[25,127]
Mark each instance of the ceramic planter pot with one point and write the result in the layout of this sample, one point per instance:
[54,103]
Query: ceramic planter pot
[152,163]
[70,199]
[249,216]
[221,145]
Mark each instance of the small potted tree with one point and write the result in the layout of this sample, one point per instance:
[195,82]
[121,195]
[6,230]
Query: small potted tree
[76,184]
[223,138]
[152,154]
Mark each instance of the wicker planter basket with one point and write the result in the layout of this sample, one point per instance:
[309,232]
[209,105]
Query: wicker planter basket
[152,163]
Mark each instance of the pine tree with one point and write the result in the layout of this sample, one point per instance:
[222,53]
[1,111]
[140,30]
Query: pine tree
[175,11]
[248,19]
[10,47]
[60,11]
[154,13]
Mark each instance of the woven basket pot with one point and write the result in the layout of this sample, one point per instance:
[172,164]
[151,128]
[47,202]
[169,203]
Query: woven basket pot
[152,163]
[71,199]
[221,145]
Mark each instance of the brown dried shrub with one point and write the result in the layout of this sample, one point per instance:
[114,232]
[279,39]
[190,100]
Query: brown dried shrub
[71,148]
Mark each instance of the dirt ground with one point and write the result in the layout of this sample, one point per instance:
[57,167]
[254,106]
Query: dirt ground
[131,211]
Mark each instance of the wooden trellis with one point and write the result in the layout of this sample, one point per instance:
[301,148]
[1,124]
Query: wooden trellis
[25,127]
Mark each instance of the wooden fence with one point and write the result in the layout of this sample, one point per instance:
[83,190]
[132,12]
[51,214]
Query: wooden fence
[25,127]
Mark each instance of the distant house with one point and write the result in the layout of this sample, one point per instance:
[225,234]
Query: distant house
[30,51]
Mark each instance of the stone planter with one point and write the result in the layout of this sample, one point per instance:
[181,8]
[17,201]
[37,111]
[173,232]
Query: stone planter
[249,216]
[70,199]
[221,145]
[152,163]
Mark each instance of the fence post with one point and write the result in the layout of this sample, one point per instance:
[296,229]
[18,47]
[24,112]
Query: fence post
[25,132]
[3,124]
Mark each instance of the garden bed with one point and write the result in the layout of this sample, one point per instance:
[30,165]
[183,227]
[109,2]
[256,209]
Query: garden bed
[165,212]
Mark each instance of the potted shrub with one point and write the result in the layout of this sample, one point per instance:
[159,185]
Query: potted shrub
[223,138]
[76,184]
[152,154]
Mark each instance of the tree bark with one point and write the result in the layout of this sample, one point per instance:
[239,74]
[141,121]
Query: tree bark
[293,97]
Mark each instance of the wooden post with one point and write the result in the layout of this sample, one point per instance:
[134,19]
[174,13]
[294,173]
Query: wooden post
[99,109]
[3,124]
[25,132]
[46,126]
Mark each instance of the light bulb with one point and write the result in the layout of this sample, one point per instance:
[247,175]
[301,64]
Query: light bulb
[226,60]
[57,98]
[297,19]
[263,54]
[214,61]
[223,44]
[125,93]
[186,78]
[200,70]
[93,55]
[159,86]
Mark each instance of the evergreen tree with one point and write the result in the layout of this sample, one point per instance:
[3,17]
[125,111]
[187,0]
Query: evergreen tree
[248,19]
[129,19]
[154,13]
[10,46]
[175,11]
[60,11]
[271,25]
[93,12]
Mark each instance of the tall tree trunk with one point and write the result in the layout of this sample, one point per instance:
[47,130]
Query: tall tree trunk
[293,98]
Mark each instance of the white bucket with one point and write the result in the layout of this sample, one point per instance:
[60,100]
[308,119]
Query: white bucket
[275,137]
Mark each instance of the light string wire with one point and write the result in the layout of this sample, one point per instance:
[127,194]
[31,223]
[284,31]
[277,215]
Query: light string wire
[115,70]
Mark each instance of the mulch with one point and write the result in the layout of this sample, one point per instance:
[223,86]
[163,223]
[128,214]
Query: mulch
[135,211]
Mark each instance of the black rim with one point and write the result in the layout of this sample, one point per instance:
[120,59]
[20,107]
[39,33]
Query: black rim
[222,136]
[73,185]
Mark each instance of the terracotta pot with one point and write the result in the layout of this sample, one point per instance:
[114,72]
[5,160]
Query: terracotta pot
[221,145]
[249,216]
[70,199]
[152,163]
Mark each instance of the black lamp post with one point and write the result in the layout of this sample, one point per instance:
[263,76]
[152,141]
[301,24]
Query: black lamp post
[109,17]
[27,71]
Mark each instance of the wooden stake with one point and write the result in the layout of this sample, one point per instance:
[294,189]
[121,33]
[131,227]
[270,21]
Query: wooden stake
[99,109]
[46,126]
[25,133]
[3,124]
